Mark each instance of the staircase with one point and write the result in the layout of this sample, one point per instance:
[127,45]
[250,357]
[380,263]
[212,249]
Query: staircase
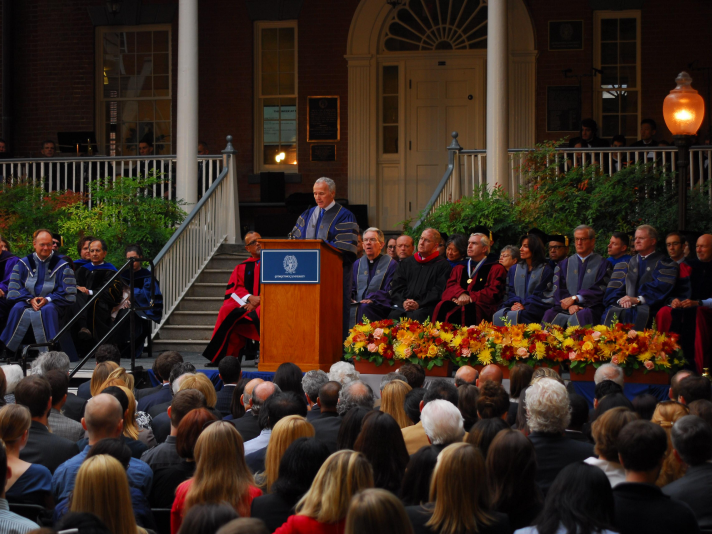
[189,328]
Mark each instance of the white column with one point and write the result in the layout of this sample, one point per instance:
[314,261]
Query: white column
[497,95]
[359,129]
[187,127]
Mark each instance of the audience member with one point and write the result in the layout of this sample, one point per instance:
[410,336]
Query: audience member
[350,428]
[81,523]
[275,407]
[284,432]
[415,436]
[311,383]
[466,375]
[694,388]
[640,506]
[202,383]
[328,423]
[483,433]
[389,377]
[442,422]
[605,432]
[11,522]
[414,374]
[665,415]
[13,376]
[163,364]
[289,378]
[546,372]
[609,371]
[520,376]
[491,372]
[343,373]
[521,420]
[59,424]
[230,373]
[579,418]
[674,392]
[493,401]
[702,408]
[412,404]
[248,425]
[207,518]
[393,401]
[391,248]
[619,242]
[603,389]
[644,405]
[99,376]
[73,406]
[611,401]
[467,396]
[509,257]
[377,512]
[415,488]
[165,369]
[244,525]
[354,393]
[388,462]
[405,246]
[237,409]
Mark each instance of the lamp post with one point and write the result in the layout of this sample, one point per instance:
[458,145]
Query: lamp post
[113,7]
[684,110]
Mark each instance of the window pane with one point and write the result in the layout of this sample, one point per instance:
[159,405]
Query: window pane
[390,80]
[390,139]
[609,76]
[144,64]
[270,61]
[146,87]
[390,110]
[143,41]
[163,132]
[160,86]
[128,111]
[629,125]
[609,30]
[629,102]
[610,126]
[145,110]
[628,29]
[129,43]
[628,53]
[286,84]
[163,110]
[160,64]
[288,133]
[286,38]
[286,61]
[609,53]
[610,102]
[270,84]
[160,41]
[111,87]
[628,77]
[128,64]
[270,39]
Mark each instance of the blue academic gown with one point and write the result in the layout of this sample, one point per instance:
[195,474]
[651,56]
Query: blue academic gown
[613,261]
[7,264]
[337,226]
[652,278]
[31,277]
[372,281]
[527,288]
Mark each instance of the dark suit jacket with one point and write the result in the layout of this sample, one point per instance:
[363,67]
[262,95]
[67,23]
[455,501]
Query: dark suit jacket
[314,413]
[145,392]
[695,489]
[47,449]
[247,426]
[161,396]
[225,399]
[137,447]
[161,426]
[74,407]
[326,428]
[553,453]
[273,509]
[84,390]
[256,460]
[644,508]
[158,409]
[420,515]
[577,436]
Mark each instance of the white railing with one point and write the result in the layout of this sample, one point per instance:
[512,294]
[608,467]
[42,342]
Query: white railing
[214,220]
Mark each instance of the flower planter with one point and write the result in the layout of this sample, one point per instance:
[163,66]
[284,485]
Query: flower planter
[369,368]
[636,377]
[505,369]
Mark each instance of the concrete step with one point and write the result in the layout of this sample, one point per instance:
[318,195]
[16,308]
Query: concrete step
[193,318]
[183,331]
[207,290]
[226,262]
[215,276]
[179,345]
[201,303]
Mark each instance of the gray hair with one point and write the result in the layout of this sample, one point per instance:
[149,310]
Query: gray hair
[483,239]
[50,361]
[175,386]
[13,376]
[591,231]
[312,382]
[328,181]
[381,237]
[343,373]
[609,371]
[436,234]
[390,377]
[651,231]
[548,407]
[513,251]
[353,394]
[258,401]
[442,422]
[692,439]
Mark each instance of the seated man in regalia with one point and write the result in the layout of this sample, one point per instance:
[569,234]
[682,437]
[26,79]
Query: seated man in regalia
[7,263]
[42,290]
[372,277]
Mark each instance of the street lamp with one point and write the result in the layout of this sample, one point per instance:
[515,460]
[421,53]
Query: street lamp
[683,110]
[113,7]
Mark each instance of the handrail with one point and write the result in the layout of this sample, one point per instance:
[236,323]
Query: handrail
[59,159]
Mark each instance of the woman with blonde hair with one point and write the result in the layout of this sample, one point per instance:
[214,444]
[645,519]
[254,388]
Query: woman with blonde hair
[202,383]
[377,511]
[221,474]
[119,374]
[102,488]
[666,413]
[99,376]
[393,401]
[284,433]
[323,509]
[458,496]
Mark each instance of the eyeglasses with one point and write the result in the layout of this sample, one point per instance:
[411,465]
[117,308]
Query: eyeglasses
[251,243]
[370,240]
[504,256]
[391,247]
[581,239]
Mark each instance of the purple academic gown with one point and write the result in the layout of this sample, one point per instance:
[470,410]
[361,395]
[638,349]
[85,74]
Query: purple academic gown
[7,263]
[372,281]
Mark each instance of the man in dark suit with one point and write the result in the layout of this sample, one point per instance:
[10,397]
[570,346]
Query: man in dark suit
[171,360]
[42,447]
[160,422]
[639,504]
[105,353]
[692,445]
[248,425]
[548,415]
[311,384]
[327,425]
[230,374]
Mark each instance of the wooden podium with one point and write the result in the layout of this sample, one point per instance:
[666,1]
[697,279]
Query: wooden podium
[301,322]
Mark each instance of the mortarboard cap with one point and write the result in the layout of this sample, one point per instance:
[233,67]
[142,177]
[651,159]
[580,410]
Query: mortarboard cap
[560,239]
[59,238]
[482,229]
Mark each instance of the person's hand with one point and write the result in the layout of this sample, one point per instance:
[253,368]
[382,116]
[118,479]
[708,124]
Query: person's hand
[366,301]
[410,305]
[573,309]
[567,302]
[125,305]
[83,290]
[249,307]
[254,300]
[627,302]
[463,299]
[517,306]
[38,302]
[689,303]
[676,303]
[2,293]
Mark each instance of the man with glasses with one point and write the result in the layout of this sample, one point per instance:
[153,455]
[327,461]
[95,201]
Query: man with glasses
[579,283]
[558,249]
[239,317]
[640,287]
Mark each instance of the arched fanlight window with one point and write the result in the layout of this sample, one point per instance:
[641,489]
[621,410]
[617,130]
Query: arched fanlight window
[438,25]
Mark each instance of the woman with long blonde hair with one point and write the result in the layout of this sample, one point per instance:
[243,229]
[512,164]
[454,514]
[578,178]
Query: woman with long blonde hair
[393,401]
[221,474]
[202,383]
[665,415]
[324,507]
[99,376]
[102,489]
[283,435]
[119,374]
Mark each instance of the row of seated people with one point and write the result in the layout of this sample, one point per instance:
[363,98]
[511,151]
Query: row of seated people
[43,291]
[469,285]
[304,452]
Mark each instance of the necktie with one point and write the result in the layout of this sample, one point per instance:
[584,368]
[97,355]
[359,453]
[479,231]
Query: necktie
[318,221]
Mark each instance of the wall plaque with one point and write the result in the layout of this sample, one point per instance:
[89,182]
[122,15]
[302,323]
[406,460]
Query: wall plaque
[323,118]
[323,152]
[565,35]
[563,108]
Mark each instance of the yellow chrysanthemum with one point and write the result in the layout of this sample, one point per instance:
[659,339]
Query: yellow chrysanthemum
[399,351]
[540,350]
[533,327]
[456,341]
[587,346]
[570,330]
[645,356]
[568,342]
[559,336]
[358,346]
[485,357]
[446,336]
[497,338]
[601,328]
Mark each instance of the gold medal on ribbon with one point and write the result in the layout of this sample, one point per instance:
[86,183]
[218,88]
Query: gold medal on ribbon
[469,281]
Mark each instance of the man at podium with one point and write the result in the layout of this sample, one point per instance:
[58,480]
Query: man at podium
[335,225]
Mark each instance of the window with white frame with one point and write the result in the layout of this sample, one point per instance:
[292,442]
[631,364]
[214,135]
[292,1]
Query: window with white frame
[617,91]
[276,90]
[134,89]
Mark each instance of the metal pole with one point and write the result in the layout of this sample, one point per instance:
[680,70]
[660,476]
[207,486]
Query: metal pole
[497,96]
[683,143]
[132,325]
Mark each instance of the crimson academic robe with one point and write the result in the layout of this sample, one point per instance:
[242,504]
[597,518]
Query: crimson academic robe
[486,290]
[235,323]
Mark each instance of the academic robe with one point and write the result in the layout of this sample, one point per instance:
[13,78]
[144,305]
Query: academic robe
[587,280]
[372,281]
[615,261]
[337,226]
[31,277]
[694,325]
[651,278]
[527,288]
[486,289]
[421,280]
[142,323]
[97,318]
[235,324]
[7,264]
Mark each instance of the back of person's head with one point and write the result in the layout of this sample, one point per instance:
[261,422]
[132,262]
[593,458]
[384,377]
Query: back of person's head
[580,500]
[35,393]
[237,409]
[441,389]
[675,382]
[702,408]
[644,405]
[165,363]
[50,361]
[354,393]
[59,383]
[81,523]
[284,432]
[100,374]
[343,373]
[281,405]
[414,374]
[493,400]
[244,525]
[3,462]
[103,416]
[389,377]
[289,378]
[184,402]
[261,393]
[329,395]
[442,422]
[312,381]
[393,401]
[189,431]
[483,433]
[520,377]
[229,369]
[350,427]
[102,488]
[694,388]
[606,387]
[511,471]
[548,408]
[609,371]
[579,411]
[203,384]
[377,511]
[114,447]
[389,461]
[3,384]
[667,412]
[344,474]
[119,394]
[412,404]
[298,466]
[120,374]
[642,446]
[546,372]
[177,372]
[207,518]
[614,400]
[520,422]
[415,488]
[15,420]
[467,403]
[110,353]
[13,375]
[605,431]
[692,439]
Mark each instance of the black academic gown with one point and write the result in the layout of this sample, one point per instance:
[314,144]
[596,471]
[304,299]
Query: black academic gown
[98,317]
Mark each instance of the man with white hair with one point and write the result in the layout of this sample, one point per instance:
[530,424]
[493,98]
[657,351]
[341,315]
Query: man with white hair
[337,226]
[442,422]
[548,416]
[311,384]
[353,394]
[609,371]
[343,373]
[59,361]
